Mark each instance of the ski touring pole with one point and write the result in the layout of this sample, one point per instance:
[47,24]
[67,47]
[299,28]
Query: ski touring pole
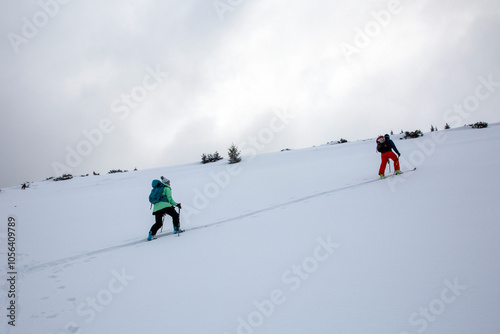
[179,232]
[162,224]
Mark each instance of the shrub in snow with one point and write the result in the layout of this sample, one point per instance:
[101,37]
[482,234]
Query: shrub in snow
[341,141]
[117,171]
[210,157]
[413,134]
[64,177]
[479,125]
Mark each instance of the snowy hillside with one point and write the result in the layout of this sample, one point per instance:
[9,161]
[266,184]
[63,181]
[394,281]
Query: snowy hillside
[291,242]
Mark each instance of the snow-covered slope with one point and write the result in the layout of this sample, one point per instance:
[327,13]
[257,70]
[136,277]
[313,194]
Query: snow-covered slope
[289,242]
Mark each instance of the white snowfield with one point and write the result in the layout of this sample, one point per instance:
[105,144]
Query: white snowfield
[291,242]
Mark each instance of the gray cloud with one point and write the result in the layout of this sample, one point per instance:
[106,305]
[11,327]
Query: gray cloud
[226,76]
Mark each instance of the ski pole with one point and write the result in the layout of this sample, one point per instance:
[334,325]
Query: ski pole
[162,224]
[179,232]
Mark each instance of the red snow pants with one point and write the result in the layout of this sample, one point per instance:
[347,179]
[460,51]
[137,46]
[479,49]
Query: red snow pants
[385,157]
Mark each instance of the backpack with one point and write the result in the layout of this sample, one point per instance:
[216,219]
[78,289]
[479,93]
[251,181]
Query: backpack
[156,194]
[381,143]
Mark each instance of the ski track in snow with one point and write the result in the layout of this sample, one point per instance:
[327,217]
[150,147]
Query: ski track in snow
[31,268]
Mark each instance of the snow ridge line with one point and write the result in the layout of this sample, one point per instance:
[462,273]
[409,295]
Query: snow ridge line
[28,269]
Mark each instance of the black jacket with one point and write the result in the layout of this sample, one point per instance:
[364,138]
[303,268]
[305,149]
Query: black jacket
[387,146]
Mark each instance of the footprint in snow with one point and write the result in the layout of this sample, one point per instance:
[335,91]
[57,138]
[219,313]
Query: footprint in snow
[73,327]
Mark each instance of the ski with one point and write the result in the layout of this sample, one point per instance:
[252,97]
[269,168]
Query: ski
[165,234]
[394,174]
[179,232]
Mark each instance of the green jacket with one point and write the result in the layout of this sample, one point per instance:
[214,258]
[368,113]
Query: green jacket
[167,193]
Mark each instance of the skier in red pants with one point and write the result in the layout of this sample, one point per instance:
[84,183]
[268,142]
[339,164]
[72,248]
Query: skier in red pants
[386,146]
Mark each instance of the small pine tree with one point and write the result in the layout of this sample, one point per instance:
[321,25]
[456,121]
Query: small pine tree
[234,154]
[432,128]
[216,156]
[210,158]
[447,126]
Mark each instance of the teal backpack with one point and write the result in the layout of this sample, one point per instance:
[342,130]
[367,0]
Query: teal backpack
[156,194]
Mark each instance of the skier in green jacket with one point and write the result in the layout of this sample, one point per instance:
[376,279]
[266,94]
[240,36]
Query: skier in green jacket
[163,208]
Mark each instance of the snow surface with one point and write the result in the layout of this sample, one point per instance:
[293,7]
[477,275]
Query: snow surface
[288,242]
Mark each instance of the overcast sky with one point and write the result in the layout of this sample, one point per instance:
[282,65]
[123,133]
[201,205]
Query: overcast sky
[99,85]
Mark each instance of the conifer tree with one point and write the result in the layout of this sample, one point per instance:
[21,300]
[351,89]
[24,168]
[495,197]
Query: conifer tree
[216,156]
[234,154]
